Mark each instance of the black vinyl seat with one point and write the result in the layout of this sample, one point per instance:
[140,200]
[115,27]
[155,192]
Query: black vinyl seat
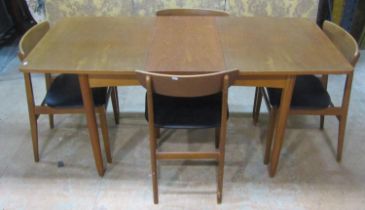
[187,112]
[65,92]
[308,93]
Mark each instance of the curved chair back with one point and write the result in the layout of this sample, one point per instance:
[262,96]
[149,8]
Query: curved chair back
[187,85]
[343,41]
[191,12]
[31,38]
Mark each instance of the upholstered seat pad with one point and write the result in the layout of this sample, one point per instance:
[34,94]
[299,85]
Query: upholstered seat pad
[65,92]
[180,112]
[308,93]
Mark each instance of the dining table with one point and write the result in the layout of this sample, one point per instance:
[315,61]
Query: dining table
[106,51]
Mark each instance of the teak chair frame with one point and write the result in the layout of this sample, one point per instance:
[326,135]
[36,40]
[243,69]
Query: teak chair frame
[191,12]
[347,45]
[26,45]
[187,86]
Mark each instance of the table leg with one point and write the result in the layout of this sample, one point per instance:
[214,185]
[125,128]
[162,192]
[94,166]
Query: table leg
[282,117]
[91,122]
[32,115]
[343,117]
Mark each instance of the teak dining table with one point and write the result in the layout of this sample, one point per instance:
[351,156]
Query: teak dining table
[105,51]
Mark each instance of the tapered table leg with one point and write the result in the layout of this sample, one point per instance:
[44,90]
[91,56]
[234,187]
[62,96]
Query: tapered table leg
[91,122]
[282,117]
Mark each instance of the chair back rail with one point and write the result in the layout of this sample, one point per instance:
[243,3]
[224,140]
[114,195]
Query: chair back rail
[187,85]
[31,38]
[343,41]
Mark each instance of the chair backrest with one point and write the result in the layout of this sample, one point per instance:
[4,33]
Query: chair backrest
[31,38]
[343,41]
[187,85]
[191,12]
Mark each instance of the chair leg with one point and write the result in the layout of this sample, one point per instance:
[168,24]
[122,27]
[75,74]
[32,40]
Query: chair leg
[341,137]
[220,181]
[257,106]
[321,123]
[254,103]
[34,130]
[217,136]
[104,132]
[270,135]
[115,103]
[51,120]
[48,80]
[220,172]
[153,144]
[157,133]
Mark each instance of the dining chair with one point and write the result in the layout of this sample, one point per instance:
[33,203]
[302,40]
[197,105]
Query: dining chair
[190,12]
[187,102]
[310,96]
[63,95]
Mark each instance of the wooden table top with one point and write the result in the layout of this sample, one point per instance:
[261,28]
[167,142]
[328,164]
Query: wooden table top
[120,45]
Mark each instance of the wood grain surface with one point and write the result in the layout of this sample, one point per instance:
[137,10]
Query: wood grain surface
[120,45]
[262,45]
[185,45]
